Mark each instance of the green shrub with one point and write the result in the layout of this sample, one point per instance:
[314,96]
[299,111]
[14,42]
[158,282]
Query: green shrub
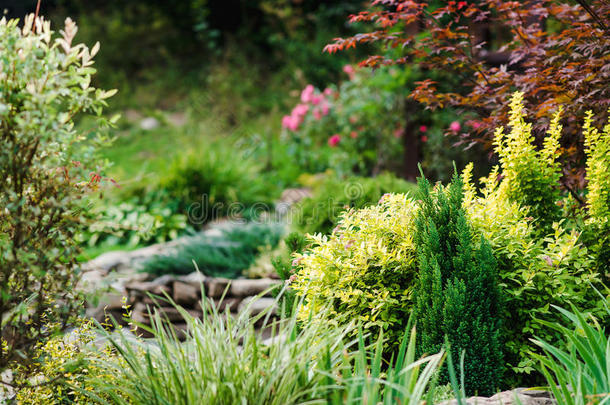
[295,243]
[579,374]
[134,222]
[225,255]
[47,168]
[365,270]
[321,213]
[357,268]
[457,296]
[214,183]
[597,228]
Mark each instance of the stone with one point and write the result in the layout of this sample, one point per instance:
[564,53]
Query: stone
[141,288]
[177,119]
[91,280]
[250,287]
[195,279]
[232,304]
[215,287]
[139,313]
[108,261]
[149,123]
[111,302]
[185,294]
[257,305]
[525,397]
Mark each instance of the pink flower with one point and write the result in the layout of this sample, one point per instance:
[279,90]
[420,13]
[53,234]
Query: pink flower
[334,140]
[315,100]
[476,124]
[317,114]
[325,109]
[300,110]
[455,126]
[398,132]
[328,91]
[349,69]
[286,121]
[307,93]
[353,119]
[424,138]
[353,134]
[290,122]
[423,128]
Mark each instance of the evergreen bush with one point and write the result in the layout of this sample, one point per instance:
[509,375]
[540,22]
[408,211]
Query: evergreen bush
[457,294]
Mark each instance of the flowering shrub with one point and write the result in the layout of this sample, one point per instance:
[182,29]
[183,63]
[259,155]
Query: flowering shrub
[47,168]
[357,125]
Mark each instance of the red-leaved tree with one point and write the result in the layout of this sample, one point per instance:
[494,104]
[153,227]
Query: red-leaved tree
[556,51]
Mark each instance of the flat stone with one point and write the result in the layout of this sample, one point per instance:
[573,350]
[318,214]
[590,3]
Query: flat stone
[250,287]
[256,305]
[215,287]
[109,302]
[143,287]
[108,261]
[232,304]
[195,279]
[91,280]
[510,398]
[139,314]
[185,294]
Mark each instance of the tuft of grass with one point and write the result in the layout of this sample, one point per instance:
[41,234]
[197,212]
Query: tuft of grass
[579,374]
[224,361]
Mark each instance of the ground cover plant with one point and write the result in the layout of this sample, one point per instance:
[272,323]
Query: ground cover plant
[225,255]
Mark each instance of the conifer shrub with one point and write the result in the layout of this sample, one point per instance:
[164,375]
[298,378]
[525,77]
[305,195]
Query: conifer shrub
[284,265]
[457,296]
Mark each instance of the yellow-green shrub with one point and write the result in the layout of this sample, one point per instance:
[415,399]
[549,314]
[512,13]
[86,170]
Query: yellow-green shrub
[542,260]
[597,227]
[535,272]
[61,374]
[364,271]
